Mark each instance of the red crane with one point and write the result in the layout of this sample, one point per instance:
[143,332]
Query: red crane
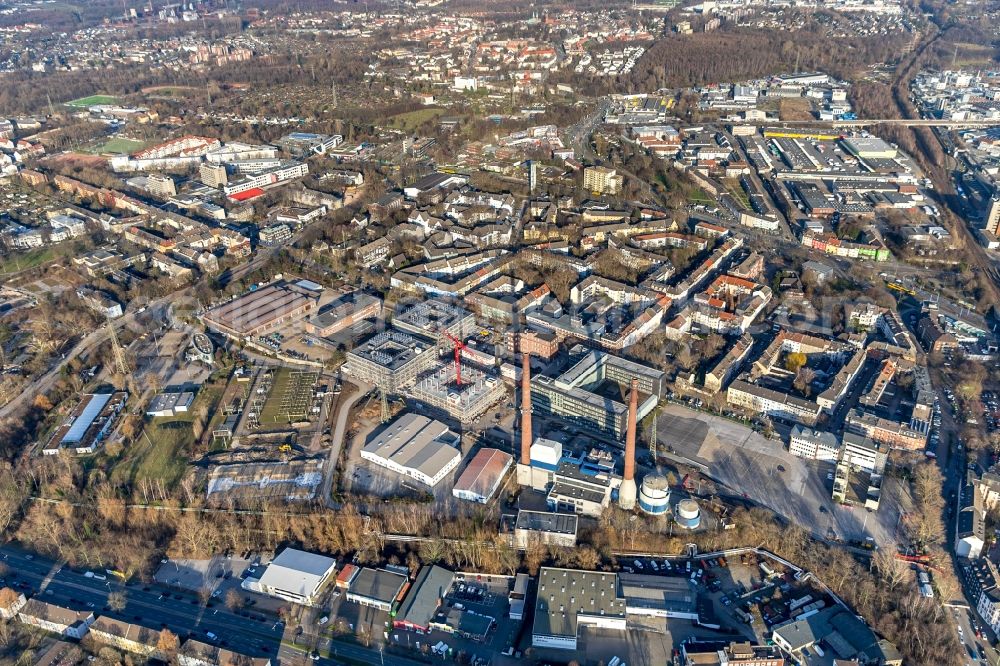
[459,346]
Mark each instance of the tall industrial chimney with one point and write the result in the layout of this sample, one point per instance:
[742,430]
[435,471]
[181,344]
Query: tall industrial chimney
[524,473]
[627,491]
[525,408]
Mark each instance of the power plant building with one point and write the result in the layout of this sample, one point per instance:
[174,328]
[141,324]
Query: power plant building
[581,483]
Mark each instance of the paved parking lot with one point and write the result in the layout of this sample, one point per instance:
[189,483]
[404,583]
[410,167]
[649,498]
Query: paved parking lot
[195,575]
[484,595]
[763,471]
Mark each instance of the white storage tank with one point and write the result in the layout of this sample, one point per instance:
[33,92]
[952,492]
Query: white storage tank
[687,514]
[654,494]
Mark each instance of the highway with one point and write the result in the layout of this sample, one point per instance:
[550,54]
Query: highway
[182,613]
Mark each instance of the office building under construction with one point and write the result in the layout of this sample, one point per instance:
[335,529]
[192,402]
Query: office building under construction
[434,318]
[390,360]
[465,401]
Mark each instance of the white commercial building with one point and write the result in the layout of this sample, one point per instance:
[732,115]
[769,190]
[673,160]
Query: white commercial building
[297,576]
[863,452]
[416,446]
[813,444]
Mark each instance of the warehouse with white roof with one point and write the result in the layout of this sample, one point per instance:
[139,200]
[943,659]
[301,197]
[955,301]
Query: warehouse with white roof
[416,446]
[297,576]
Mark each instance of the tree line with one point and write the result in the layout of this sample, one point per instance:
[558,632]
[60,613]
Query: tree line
[736,54]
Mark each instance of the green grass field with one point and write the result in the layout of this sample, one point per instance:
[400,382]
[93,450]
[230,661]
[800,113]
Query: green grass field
[699,196]
[737,192]
[163,452]
[161,456]
[413,119]
[117,145]
[93,100]
[19,261]
[290,397]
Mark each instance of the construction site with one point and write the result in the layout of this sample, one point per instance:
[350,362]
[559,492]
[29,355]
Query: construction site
[436,316]
[461,391]
[390,360]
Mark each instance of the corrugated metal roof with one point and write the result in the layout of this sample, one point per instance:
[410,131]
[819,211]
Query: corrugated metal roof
[483,473]
[87,415]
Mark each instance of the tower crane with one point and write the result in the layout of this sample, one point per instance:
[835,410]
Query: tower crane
[459,346]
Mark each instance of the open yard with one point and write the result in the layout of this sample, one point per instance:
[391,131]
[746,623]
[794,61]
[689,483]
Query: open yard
[795,108]
[699,196]
[413,119]
[969,54]
[19,261]
[117,145]
[733,187]
[163,450]
[763,470]
[92,100]
[290,398]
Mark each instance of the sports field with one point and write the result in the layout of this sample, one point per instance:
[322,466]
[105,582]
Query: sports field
[290,397]
[117,145]
[93,100]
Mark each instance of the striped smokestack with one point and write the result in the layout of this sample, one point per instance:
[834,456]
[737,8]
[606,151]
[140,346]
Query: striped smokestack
[633,410]
[525,408]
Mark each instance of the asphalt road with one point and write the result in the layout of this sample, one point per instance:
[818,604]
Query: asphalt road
[85,346]
[257,635]
[356,390]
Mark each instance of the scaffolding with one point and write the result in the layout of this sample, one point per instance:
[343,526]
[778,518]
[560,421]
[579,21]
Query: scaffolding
[478,391]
